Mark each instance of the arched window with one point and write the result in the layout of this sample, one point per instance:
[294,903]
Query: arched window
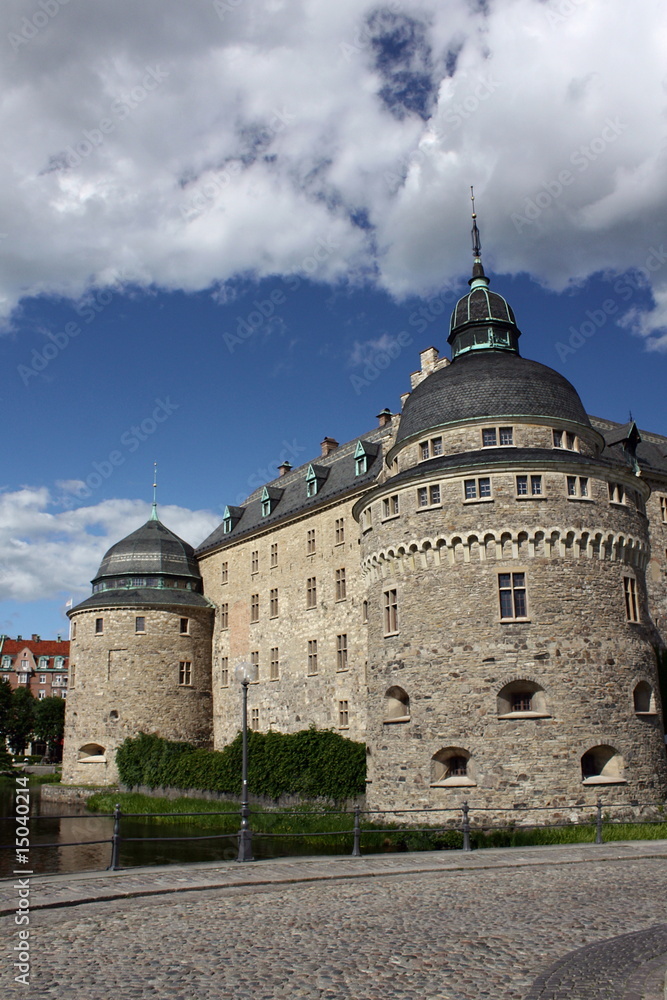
[452,766]
[522,699]
[602,765]
[396,705]
[91,753]
[644,699]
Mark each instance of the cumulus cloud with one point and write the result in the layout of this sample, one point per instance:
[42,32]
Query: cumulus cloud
[179,146]
[46,551]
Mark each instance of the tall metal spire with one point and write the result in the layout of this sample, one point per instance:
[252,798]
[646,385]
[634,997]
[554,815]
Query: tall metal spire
[154,516]
[477,269]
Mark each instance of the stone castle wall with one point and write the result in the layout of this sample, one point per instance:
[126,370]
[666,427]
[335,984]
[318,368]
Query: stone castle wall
[123,683]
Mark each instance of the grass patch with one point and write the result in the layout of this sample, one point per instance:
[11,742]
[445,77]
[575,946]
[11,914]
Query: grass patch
[376,837]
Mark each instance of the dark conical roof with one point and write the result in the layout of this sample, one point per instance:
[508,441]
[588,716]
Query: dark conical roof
[493,384]
[151,550]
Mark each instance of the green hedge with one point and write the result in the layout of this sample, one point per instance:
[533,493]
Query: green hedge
[311,764]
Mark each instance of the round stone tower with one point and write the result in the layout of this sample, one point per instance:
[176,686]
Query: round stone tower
[511,652]
[140,654]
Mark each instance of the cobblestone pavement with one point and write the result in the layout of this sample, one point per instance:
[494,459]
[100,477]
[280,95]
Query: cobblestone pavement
[520,927]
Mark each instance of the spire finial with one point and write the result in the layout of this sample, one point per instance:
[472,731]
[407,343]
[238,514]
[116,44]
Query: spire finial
[154,516]
[477,269]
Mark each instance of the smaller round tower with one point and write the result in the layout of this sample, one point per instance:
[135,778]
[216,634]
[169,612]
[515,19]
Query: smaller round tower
[140,654]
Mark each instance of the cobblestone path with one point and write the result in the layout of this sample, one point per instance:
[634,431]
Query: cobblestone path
[500,933]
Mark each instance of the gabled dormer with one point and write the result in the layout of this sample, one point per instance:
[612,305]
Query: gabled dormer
[364,454]
[231,518]
[316,476]
[271,497]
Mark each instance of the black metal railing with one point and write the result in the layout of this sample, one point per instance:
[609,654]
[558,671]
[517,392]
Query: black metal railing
[469,821]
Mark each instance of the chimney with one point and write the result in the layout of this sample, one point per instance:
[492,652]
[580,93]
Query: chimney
[59,638]
[19,638]
[35,638]
[428,358]
[284,468]
[384,417]
[328,445]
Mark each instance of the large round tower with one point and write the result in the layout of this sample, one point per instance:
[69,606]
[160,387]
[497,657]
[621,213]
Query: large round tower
[511,652]
[140,654]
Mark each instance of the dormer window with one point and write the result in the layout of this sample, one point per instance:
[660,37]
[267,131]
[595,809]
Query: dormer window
[363,453]
[270,499]
[231,518]
[315,479]
[43,663]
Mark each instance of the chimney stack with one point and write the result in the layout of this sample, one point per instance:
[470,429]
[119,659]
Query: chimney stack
[284,468]
[328,445]
[35,638]
[384,417]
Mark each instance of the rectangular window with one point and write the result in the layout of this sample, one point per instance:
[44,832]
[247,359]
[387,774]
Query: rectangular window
[364,613]
[73,631]
[224,671]
[41,695]
[254,719]
[343,715]
[506,435]
[631,606]
[512,590]
[273,602]
[185,626]
[570,441]
[224,573]
[140,624]
[339,533]
[274,664]
[577,486]
[42,679]
[436,447]
[254,660]
[422,496]
[274,554]
[254,607]
[558,439]
[522,486]
[663,509]
[390,612]
[185,673]
[310,542]
[254,561]
[423,451]
[99,626]
[390,506]
[492,436]
[311,592]
[536,486]
[224,616]
[489,437]
[367,519]
[616,493]
[341,652]
[477,489]
[341,588]
[72,675]
[312,656]
[434,494]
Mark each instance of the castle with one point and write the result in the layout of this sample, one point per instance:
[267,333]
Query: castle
[476,588]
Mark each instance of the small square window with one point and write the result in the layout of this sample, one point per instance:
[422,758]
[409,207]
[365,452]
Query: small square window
[185,673]
[477,489]
[577,486]
[506,435]
[99,626]
[489,437]
[185,626]
[140,624]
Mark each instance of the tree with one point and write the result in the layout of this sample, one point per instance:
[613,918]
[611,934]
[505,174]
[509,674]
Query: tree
[5,708]
[50,725]
[21,720]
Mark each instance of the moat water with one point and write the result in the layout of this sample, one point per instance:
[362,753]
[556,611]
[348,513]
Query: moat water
[46,828]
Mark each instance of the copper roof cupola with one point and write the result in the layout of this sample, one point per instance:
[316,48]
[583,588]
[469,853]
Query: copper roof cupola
[482,320]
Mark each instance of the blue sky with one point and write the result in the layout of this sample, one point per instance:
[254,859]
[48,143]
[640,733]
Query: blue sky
[227,232]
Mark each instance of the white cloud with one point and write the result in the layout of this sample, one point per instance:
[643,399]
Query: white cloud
[180,145]
[45,551]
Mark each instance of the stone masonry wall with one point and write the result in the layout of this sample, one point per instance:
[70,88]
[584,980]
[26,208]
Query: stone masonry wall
[123,683]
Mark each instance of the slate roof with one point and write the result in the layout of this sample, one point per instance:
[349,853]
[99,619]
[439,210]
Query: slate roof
[494,384]
[341,479]
[143,597]
[479,306]
[150,550]
[651,451]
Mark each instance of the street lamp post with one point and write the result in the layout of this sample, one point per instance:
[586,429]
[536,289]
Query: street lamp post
[245,674]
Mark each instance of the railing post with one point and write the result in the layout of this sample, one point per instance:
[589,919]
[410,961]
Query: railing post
[465,826]
[115,840]
[598,824]
[356,850]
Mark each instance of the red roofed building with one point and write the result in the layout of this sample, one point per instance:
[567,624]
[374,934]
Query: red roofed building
[41,665]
